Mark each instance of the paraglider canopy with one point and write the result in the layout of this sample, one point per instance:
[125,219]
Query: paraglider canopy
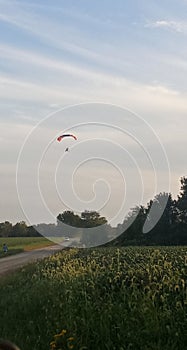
[66,135]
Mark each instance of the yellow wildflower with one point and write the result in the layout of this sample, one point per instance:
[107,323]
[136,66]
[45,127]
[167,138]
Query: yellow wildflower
[53,345]
[63,332]
[57,336]
[52,342]
[70,339]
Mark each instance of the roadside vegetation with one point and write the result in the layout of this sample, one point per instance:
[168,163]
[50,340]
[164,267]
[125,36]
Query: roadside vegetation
[20,244]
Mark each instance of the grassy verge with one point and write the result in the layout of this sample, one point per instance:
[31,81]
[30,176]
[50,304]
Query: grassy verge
[20,244]
[116,299]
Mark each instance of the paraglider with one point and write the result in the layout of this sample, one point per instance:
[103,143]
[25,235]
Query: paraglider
[66,135]
[59,138]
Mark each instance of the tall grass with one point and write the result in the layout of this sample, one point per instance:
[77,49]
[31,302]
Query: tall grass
[104,298]
[20,244]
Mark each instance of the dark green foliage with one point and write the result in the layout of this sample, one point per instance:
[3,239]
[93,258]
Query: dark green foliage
[5,229]
[171,228]
[20,229]
[86,220]
[92,219]
[69,218]
[181,203]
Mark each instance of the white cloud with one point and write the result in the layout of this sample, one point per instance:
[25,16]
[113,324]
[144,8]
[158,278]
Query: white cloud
[176,26]
[51,31]
[93,86]
[48,30]
[20,90]
[49,63]
[163,90]
[70,72]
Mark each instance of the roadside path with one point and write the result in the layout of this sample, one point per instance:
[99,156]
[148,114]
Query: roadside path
[13,262]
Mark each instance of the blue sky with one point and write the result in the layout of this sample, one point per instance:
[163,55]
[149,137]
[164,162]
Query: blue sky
[127,53]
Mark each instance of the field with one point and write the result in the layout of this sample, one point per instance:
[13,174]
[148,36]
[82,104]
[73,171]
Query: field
[20,244]
[96,299]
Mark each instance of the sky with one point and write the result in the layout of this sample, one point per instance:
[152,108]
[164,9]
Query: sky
[113,73]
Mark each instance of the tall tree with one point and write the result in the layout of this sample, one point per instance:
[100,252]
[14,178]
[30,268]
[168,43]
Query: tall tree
[19,229]
[182,201]
[161,233]
[95,230]
[132,227]
[68,224]
[92,219]
[69,218]
[5,229]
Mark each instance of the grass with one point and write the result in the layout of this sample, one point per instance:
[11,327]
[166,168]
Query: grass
[103,298]
[20,244]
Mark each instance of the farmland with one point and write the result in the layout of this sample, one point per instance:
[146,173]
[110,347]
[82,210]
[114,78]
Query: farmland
[20,244]
[131,298]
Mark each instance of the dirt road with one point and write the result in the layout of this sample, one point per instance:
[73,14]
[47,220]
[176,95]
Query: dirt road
[13,262]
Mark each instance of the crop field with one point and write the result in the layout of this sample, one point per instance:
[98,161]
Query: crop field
[20,244]
[131,298]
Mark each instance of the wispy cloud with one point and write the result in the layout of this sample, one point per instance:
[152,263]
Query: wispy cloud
[73,70]
[106,88]
[40,60]
[176,26]
[20,90]
[51,31]
[160,89]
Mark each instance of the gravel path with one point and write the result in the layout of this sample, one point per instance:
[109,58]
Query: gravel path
[11,263]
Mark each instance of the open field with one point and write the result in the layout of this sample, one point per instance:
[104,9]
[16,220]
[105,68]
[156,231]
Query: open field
[103,298]
[20,244]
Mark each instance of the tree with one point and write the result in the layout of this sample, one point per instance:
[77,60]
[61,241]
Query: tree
[5,229]
[164,211]
[33,232]
[180,229]
[162,231]
[92,219]
[132,227]
[46,230]
[19,229]
[69,218]
[95,230]
[182,201]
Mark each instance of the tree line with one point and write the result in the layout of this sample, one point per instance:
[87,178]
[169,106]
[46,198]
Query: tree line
[87,219]
[20,229]
[171,229]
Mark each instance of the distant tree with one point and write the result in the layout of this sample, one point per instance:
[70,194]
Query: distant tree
[181,203]
[132,227]
[46,230]
[95,230]
[5,229]
[72,221]
[92,219]
[87,219]
[162,231]
[180,227]
[19,229]
[69,218]
[164,209]
[33,232]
